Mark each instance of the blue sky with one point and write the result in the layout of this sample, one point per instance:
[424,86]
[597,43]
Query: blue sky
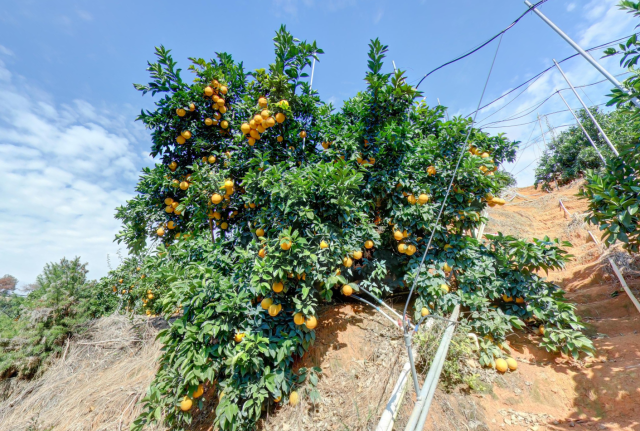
[70,150]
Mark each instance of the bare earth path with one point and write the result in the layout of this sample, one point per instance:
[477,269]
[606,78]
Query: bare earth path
[600,393]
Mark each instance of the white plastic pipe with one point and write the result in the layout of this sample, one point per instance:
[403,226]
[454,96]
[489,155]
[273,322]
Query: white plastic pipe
[389,414]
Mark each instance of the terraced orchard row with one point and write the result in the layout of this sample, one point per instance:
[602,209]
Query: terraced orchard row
[267,202]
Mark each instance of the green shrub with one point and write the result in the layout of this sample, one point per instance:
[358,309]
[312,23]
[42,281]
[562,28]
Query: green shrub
[34,327]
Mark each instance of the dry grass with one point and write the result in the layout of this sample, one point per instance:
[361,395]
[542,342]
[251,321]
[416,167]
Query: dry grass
[97,383]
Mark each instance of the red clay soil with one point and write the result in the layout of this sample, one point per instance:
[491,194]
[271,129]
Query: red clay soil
[602,392]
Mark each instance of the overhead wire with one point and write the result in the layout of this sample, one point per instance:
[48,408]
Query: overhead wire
[463,149]
[511,118]
[482,45]
[548,69]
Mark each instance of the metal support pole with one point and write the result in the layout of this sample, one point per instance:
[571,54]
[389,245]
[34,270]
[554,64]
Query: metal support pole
[582,52]
[604,135]
[583,129]
[414,374]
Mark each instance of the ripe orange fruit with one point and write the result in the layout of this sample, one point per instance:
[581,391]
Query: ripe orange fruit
[424,311]
[260,232]
[323,244]
[423,199]
[484,155]
[184,185]
[411,199]
[171,225]
[519,300]
[512,364]
[411,249]
[347,262]
[286,245]
[160,232]
[252,141]
[216,198]
[180,140]
[280,117]
[224,124]
[446,267]
[245,128]
[215,99]
[347,290]
[270,122]
[303,134]
[220,101]
[212,159]
[224,225]
[277,287]
[208,121]
[254,134]
[368,244]
[402,248]
[257,119]
[501,365]
[252,205]
[263,102]
[186,134]
[238,337]
[224,89]
[431,170]
[398,235]
[261,128]
[198,393]
[280,139]
[181,112]
[192,107]
[264,114]
[266,303]
[357,255]
[325,145]
[311,322]
[298,319]
[222,109]
[173,166]
[273,310]
[284,103]
[186,404]
[294,398]
[168,201]
[150,295]
[277,399]
[506,298]
[444,288]
[208,91]
[541,329]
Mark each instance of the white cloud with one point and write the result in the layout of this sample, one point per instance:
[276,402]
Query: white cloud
[65,168]
[378,15]
[601,21]
[571,6]
[6,51]
[85,15]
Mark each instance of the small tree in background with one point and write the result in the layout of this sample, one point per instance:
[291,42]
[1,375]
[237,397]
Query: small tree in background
[570,155]
[8,284]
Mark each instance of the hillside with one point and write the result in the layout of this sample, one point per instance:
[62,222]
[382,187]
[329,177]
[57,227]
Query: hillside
[101,377]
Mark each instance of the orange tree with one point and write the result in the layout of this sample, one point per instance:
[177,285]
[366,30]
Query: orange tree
[268,203]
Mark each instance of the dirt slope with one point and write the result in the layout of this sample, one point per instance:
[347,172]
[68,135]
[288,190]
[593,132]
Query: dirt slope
[97,384]
[602,392]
